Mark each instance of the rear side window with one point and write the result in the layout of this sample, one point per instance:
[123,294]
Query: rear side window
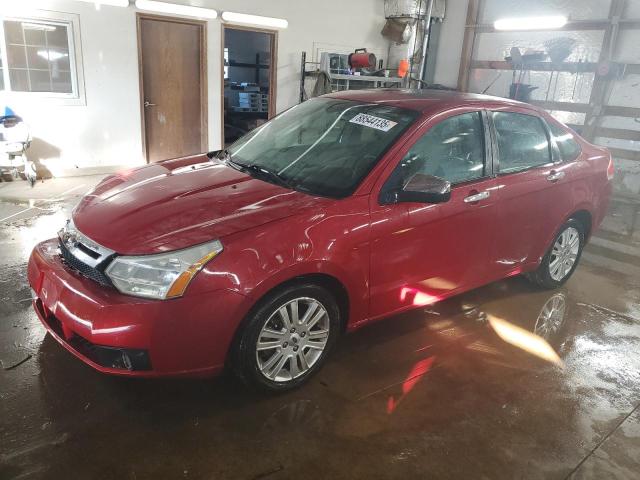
[522,141]
[569,148]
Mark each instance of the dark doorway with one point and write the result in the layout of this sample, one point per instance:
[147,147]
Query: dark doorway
[249,80]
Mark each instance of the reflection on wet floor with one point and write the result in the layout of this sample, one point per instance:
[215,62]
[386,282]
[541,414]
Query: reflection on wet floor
[433,393]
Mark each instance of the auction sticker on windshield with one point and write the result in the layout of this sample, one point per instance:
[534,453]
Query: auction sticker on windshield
[373,122]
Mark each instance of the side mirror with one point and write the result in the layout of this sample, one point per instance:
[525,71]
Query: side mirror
[425,189]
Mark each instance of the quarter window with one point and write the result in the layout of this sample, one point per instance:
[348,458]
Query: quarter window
[453,149]
[569,148]
[522,141]
[37,57]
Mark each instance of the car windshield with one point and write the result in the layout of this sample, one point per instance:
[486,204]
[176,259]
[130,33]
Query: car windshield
[324,146]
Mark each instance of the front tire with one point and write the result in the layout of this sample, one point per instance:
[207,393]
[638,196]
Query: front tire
[561,260]
[287,338]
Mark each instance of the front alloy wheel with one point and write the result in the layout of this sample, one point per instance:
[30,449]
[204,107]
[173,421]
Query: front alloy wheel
[287,337]
[292,339]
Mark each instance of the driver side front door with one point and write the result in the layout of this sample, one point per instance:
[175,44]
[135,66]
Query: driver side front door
[422,253]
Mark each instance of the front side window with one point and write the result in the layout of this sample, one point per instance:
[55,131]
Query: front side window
[38,56]
[453,149]
[522,141]
[569,148]
[324,146]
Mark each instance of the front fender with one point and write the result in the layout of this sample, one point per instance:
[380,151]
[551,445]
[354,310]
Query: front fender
[356,287]
[332,242]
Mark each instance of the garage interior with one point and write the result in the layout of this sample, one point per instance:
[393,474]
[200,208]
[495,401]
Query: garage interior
[437,392]
[248,56]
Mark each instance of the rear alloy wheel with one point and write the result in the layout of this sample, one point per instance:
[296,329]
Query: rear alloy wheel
[287,338]
[564,253]
[562,258]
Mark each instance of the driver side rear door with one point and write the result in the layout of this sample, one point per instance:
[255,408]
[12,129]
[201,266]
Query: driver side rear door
[421,253]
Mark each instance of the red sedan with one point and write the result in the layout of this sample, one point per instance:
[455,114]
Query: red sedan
[340,211]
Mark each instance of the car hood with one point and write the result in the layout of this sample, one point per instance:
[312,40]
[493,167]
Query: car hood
[179,203]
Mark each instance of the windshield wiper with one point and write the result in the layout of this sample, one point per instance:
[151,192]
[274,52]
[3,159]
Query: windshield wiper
[259,172]
[226,157]
[274,176]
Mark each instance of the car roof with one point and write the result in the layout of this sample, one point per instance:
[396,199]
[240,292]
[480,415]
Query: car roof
[426,100]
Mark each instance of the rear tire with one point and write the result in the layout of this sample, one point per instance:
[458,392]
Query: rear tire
[562,258]
[286,338]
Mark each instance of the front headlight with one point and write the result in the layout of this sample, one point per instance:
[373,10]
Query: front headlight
[161,276]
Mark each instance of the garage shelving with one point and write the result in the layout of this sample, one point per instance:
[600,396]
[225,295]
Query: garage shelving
[343,81]
[606,71]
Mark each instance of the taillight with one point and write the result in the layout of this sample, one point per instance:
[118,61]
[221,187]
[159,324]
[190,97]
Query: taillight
[610,169]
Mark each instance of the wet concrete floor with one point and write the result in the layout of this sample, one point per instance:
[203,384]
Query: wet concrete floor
[435,393]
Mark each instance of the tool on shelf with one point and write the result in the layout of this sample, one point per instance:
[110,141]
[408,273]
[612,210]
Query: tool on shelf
[357,70]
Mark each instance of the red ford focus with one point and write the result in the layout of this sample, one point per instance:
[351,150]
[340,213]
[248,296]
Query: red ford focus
[340,211]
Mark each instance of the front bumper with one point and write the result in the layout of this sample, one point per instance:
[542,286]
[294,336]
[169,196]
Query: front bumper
[125,335]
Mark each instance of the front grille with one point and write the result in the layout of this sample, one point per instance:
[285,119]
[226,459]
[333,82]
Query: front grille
[94,274]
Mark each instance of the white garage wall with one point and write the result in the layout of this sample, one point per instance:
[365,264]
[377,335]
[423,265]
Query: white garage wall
[105,130]
[450,43]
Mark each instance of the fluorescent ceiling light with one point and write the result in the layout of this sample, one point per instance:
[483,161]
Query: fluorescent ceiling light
[113,3]
[530,23]
[189,11]
[254,20]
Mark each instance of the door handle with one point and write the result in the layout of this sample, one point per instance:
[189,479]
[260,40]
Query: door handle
[555,176]
[148,104]
[477,197]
